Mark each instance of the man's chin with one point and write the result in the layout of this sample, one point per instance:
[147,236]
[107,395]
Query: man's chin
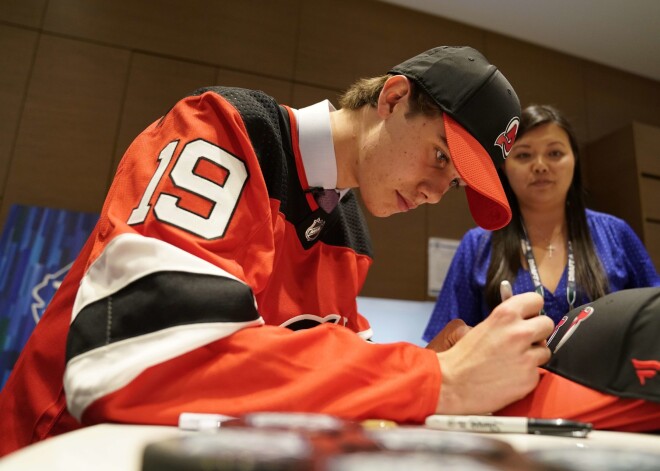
[381,212]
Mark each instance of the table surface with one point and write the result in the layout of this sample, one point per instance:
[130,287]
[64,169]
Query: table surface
[119,447]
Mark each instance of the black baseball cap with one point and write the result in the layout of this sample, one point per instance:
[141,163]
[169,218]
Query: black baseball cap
[611,345]
[481,117]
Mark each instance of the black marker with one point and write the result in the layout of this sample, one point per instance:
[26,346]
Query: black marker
[493,424]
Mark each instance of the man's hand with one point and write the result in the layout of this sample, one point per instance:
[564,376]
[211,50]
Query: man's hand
[495,363]
[447,337]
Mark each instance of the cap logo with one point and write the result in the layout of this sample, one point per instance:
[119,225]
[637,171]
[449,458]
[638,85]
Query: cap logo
[557,327]
[645,369]
[579,319]
[506,139]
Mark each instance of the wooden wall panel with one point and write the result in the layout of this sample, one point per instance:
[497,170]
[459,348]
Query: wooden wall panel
[18,46]
[451,217]
[250,35]
[542,76]
[154,85]
[624,203]
[66,138]
[652,241]
[648,153]
[625,179]
[304,95]
[649,189]
[23,12]
[278,89]
[343,40]
[399,267]
[616,98]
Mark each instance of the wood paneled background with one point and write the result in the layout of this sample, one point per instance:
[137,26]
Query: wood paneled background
[79,79]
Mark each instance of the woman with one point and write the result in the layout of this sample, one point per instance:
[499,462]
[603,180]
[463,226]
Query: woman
[553,245]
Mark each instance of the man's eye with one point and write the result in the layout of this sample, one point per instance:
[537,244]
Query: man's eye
[441,157]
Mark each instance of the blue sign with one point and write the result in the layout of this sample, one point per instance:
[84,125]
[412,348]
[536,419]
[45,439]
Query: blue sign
[37,248]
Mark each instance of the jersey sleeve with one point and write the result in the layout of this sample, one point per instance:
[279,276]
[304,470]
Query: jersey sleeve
[165,319]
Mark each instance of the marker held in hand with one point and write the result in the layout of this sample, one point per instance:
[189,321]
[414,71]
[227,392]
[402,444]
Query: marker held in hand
[505,290]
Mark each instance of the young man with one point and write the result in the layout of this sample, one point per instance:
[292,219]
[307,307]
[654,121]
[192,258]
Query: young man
[214,256]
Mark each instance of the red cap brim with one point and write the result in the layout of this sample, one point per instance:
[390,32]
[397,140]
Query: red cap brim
[486,198]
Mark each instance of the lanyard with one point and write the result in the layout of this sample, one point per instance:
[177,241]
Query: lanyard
[536,277]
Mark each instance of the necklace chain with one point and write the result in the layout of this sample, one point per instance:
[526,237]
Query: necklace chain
[547,243]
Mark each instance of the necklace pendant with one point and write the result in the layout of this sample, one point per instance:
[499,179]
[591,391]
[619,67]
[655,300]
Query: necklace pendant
[551,250]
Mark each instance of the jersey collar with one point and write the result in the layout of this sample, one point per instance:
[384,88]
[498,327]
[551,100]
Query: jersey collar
[316,146]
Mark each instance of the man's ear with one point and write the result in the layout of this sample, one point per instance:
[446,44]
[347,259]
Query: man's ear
[396,90]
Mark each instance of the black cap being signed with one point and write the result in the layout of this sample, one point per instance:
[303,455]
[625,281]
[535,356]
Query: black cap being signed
[612,345]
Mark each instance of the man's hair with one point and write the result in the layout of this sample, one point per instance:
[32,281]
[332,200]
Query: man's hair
[365,92]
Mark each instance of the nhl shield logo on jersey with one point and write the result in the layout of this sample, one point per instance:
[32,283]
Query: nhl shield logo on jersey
[314,230]
[506,139]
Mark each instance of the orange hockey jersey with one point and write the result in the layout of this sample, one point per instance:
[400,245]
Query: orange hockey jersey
[197,288]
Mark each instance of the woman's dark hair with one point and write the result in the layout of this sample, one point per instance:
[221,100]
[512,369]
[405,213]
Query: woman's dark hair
[506,253]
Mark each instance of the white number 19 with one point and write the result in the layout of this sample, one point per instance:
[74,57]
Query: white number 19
[224,197]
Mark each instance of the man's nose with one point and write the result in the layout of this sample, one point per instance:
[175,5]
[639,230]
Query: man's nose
[430,193]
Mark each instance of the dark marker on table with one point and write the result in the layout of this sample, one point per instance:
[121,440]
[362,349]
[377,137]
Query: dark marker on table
[498,424]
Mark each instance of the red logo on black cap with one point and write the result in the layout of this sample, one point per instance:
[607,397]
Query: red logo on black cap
[508,137]
[557,327]
[577,320]
[646,369]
